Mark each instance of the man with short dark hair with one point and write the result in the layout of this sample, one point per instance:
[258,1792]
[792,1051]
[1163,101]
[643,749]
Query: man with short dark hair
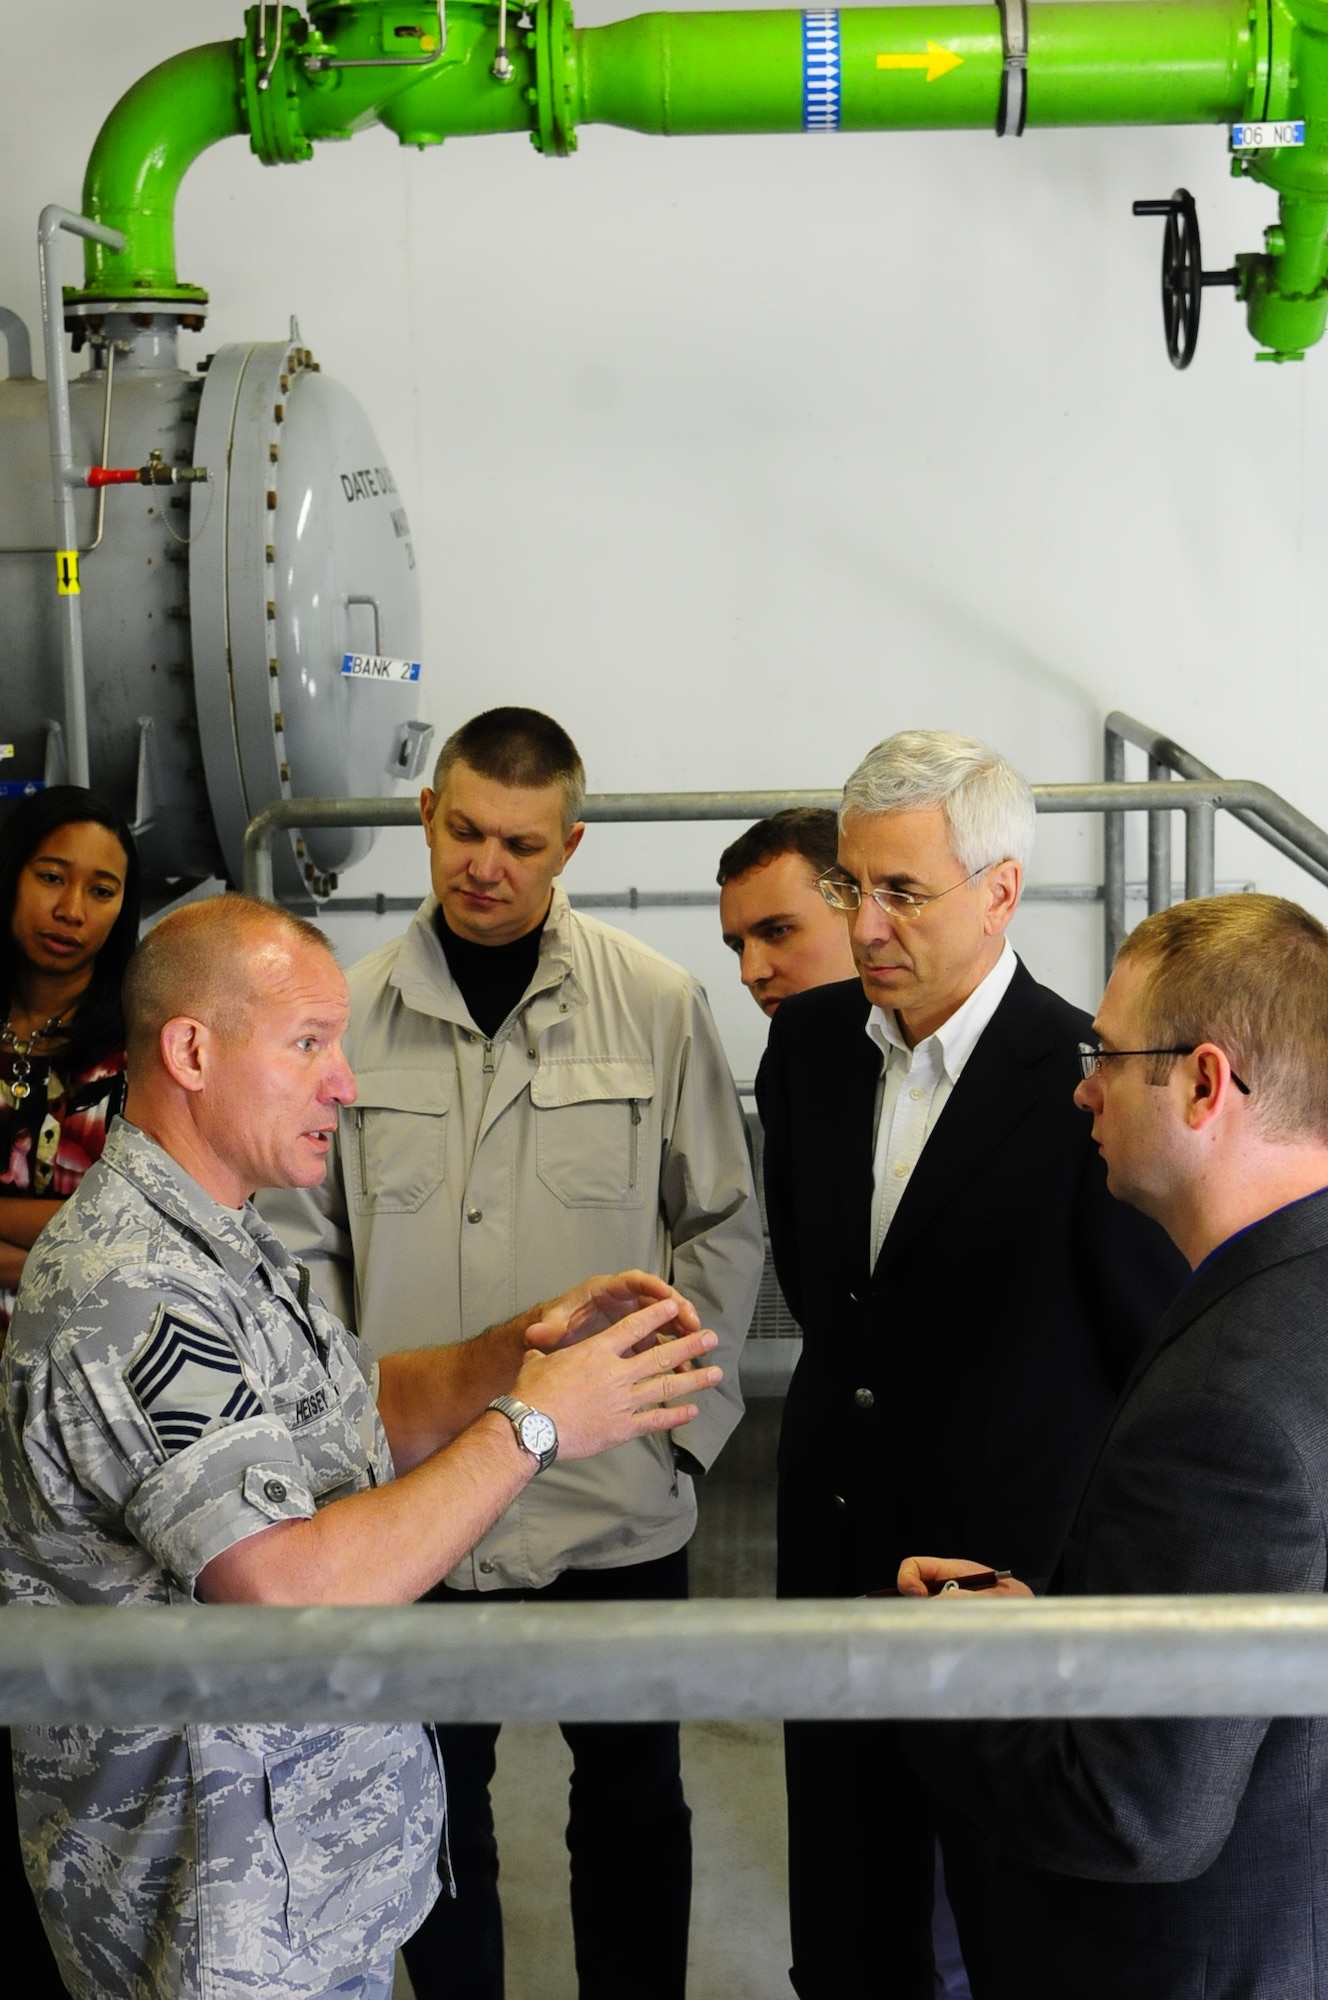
[532,1083]
[772,912]
[971,1299]
[1174,1857]
[182,1419]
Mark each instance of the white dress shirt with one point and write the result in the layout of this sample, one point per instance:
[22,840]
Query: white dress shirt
[915,1087]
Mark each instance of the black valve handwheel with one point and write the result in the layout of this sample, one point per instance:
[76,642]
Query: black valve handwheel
[1182,273]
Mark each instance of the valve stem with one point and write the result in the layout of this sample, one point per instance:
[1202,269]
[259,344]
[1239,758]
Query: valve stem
[155,473]
[502,71]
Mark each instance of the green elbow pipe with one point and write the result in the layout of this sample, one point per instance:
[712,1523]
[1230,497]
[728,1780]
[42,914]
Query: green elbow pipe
[1089,62]
[142,153]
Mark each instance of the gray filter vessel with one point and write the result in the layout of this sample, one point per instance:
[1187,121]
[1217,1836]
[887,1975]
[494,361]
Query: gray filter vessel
[247,636]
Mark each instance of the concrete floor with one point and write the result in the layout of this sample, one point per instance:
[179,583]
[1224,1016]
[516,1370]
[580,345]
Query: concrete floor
[733,1773]
[734,1779]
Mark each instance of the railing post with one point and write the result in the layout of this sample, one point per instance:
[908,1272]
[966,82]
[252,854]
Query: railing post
[1159,847]
[1200,826]
[1113,855]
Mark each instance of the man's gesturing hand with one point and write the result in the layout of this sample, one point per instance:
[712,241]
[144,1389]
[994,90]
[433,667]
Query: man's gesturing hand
[602,1302]
[613,1385]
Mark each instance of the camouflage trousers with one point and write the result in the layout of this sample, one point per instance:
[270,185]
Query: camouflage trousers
[375,1983]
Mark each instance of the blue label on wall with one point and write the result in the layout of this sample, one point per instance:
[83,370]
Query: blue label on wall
[20,788]
[820,70]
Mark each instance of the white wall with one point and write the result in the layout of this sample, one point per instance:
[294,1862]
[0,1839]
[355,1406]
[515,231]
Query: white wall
[737,454]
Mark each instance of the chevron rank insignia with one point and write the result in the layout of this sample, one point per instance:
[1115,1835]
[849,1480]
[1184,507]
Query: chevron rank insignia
[187,1381]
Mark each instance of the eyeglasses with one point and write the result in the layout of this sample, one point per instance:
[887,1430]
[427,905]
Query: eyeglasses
[841,892]
[1091,1059]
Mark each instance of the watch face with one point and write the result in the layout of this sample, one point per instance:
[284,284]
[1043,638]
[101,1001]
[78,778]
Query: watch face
[538,1433]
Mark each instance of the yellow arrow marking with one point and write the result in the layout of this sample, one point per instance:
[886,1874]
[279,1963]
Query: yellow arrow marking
[936,62]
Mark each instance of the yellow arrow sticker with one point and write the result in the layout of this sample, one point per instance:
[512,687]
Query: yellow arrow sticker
[936,62]
[66,572]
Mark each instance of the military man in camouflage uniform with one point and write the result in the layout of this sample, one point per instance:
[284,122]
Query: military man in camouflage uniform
[183,1420]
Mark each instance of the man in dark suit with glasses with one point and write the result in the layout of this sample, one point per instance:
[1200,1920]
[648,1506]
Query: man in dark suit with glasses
[1165,1858]
[971,1297]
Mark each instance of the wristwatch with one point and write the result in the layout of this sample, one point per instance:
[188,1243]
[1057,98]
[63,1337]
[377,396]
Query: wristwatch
[535,1432]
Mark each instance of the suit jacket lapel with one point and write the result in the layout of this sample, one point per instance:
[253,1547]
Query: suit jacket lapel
[992,1096]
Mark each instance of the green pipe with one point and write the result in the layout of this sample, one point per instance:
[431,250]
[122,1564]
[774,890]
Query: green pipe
[1090,62]
[1286,289]
[1118,63]
[142,153]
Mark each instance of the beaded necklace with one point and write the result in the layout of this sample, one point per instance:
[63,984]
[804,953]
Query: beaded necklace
[22,1051]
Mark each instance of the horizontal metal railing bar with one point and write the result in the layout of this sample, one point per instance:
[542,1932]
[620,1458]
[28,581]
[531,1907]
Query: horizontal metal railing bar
[382,905]
[708,1660]
[660,807]
[617,807]
[1165,750]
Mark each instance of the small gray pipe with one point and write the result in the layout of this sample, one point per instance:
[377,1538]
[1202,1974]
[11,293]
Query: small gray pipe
[713,1659]
[53,221]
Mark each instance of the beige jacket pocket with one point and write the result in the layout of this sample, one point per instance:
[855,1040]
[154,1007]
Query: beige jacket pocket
[394,1139]
[595,1141]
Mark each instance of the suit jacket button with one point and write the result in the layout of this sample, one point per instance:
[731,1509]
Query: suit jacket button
[853,1298]
[840,1501]
[864,1399]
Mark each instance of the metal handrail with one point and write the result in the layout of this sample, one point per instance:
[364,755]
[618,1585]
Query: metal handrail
[711,1659]
[1273,820]
[1109,797]
[614,807]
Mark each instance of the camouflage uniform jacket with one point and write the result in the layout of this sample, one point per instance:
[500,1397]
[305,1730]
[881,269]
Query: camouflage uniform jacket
[167,1391]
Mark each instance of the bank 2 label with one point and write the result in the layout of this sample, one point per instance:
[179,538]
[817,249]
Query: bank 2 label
[377,667]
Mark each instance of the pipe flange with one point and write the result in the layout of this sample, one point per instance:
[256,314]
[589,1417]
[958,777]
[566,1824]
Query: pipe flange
[271,91]
[555,122]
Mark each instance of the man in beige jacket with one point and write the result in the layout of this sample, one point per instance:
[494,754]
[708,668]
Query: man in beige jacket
[540,1095]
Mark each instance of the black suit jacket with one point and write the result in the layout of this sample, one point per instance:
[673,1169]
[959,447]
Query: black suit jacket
[948,1402]
[1203,1843]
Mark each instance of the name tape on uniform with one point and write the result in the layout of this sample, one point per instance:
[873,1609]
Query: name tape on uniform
[377,667]
[1280,132]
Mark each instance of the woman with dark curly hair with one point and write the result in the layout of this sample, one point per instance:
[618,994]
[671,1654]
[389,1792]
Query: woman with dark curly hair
[68,922]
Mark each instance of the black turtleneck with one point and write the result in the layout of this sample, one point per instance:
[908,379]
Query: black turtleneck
[491,977]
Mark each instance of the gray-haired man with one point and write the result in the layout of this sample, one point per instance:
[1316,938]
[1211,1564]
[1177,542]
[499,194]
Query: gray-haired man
[971,1296]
